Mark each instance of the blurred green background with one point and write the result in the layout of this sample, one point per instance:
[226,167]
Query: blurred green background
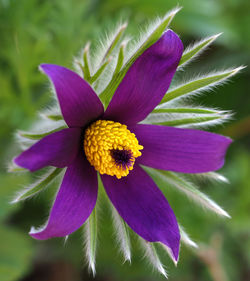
[53,31]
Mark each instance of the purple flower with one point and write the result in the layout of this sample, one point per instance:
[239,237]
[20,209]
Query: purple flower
[115,144]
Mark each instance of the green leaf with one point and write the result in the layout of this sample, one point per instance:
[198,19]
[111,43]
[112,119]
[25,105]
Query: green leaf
[16,254]
[120,59]
[13,168]
[187,116]
[122,234]
[199,84]
[115,40]
[91,240]
[192,51]
[9,186]
[39,185]
[190,190]
[108,92]
[189,121]
[185,110]
[85,67]
[210,176]
[186,239]
[153,257]
[99,71]
[37,136]
[54,117]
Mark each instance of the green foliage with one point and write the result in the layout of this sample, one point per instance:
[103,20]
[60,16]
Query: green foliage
[120,59]
[184,110]
[38,136]
[38,185]
[188,121]
[192,52]
[15,247]
[122,234]
[54,117]
[153,36]
[152,255]
[189,189]
[9,185]
[199,84]
[34,32]
[115,41]
[91,240]
[15,258]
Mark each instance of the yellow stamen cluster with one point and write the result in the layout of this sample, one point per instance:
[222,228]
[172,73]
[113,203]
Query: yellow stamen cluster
[101,138]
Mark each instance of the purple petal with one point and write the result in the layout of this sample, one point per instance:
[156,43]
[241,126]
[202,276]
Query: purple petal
[147,81]
[58,149]
[74,202]
[144,208]
[181,150]
[79,103]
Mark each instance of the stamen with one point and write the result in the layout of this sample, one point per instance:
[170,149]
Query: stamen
[111,148]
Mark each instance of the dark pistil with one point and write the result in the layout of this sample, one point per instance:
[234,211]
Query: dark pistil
[123,158]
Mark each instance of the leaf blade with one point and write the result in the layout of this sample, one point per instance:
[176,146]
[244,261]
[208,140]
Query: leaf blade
[186,239]
[91,240]
[38,136]
[38,186]
[85,67]
[185,110]
[115,40]
[153,257]
[199,84]
[108,92]
[189,121]
[122,234]
[99,72]
[193,51]
[190,190]
[120,59]
[54,117]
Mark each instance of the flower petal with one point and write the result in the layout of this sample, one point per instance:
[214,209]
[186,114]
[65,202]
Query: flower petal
[144,208]
[79,103]
[147,81]
[74,202]
[181,150]
[58,149]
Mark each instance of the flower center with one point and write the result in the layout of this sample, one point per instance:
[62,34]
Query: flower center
[111,148]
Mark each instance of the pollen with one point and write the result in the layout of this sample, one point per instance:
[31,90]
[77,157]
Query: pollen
[111,148]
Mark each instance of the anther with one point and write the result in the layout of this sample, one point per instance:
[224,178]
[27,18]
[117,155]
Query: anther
[111,148]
